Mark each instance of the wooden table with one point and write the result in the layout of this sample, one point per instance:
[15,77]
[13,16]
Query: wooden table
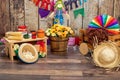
[9,45]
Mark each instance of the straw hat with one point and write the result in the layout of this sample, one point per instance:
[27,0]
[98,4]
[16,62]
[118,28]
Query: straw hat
[107,55]
[27,53]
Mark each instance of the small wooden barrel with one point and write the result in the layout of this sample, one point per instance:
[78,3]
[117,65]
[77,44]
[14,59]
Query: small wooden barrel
[107,55]
[58,45]
[115,38]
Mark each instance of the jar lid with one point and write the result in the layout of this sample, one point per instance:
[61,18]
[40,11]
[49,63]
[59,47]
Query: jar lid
[22,27]
[41,30]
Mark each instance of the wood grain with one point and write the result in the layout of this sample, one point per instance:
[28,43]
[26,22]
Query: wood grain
[91,11]
[31,15]
[74,66]
[117,9]
[41,72]
[4,17]
[106,7]
[75,24]
[43,23]
[16,14]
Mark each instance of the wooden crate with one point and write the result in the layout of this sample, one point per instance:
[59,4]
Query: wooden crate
[115,38]
[9,45]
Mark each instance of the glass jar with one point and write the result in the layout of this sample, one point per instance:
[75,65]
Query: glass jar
[40,33]
[33,34]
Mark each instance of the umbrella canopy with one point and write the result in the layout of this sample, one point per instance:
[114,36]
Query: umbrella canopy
[107,22]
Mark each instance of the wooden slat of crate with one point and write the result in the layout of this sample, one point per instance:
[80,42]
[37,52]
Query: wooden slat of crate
[118,43]
[114,38]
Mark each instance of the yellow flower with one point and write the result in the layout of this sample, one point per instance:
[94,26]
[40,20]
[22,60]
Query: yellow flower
[64,28]
[48,34]
[52,31]
[59,33]
[58,29]
[16,46]
[48,30]
[71,32]
[66,32]
[53,34]
[64,35]
[68,28]
[56,25]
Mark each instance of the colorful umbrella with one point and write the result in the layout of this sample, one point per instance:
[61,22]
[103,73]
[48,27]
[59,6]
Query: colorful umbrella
[107,22]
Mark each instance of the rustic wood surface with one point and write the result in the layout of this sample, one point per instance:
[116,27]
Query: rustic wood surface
[16,14]
[117,9]
[107,7]
[43,23]
[91,11]
[77,23]
[19,12]
[73,66]
[31,15]
[4,17]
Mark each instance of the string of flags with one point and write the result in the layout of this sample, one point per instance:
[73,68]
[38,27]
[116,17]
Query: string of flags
[44,11]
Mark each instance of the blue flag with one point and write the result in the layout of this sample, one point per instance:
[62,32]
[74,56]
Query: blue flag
[81,1]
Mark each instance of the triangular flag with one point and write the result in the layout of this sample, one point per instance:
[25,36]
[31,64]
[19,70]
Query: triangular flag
[78,11]
[81,1]
[85,0]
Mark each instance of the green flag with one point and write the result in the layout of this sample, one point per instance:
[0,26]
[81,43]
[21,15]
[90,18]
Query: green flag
[79,11]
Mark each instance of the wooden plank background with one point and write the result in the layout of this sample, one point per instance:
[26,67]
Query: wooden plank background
[4,17]
[23,12]
[16,14]
[31,15]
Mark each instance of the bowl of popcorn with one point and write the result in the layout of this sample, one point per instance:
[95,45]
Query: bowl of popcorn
[27,53]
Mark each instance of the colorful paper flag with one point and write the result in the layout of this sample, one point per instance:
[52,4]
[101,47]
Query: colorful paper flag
[81,1]
[78,11]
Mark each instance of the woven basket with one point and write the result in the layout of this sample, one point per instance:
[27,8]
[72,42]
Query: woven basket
[58,45]
[107,55]
[27,53]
